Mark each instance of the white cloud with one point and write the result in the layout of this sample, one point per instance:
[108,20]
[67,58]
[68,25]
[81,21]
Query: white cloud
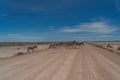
[20,37]
[93,27]
[30,37]
[94,36]
[14,35]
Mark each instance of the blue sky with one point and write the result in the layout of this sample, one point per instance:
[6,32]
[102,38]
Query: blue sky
[59,20]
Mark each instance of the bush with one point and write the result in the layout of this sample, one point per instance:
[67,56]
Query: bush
[109,46]
[118,48]
[20,53]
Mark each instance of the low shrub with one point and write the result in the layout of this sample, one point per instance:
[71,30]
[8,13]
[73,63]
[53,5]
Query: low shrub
[118,48]
[20,53]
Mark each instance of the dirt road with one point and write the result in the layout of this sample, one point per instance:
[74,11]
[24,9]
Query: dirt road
[87,63]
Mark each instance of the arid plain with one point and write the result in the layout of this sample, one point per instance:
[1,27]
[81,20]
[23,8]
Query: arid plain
[86,63]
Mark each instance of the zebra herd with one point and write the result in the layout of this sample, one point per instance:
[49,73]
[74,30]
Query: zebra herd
[67,45]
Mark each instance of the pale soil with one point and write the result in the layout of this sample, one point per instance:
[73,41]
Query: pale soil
[115,45]
[9,51]
[87,63]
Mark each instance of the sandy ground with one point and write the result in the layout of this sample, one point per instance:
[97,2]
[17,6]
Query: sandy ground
[6,52]
[115,45]
[87,63]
